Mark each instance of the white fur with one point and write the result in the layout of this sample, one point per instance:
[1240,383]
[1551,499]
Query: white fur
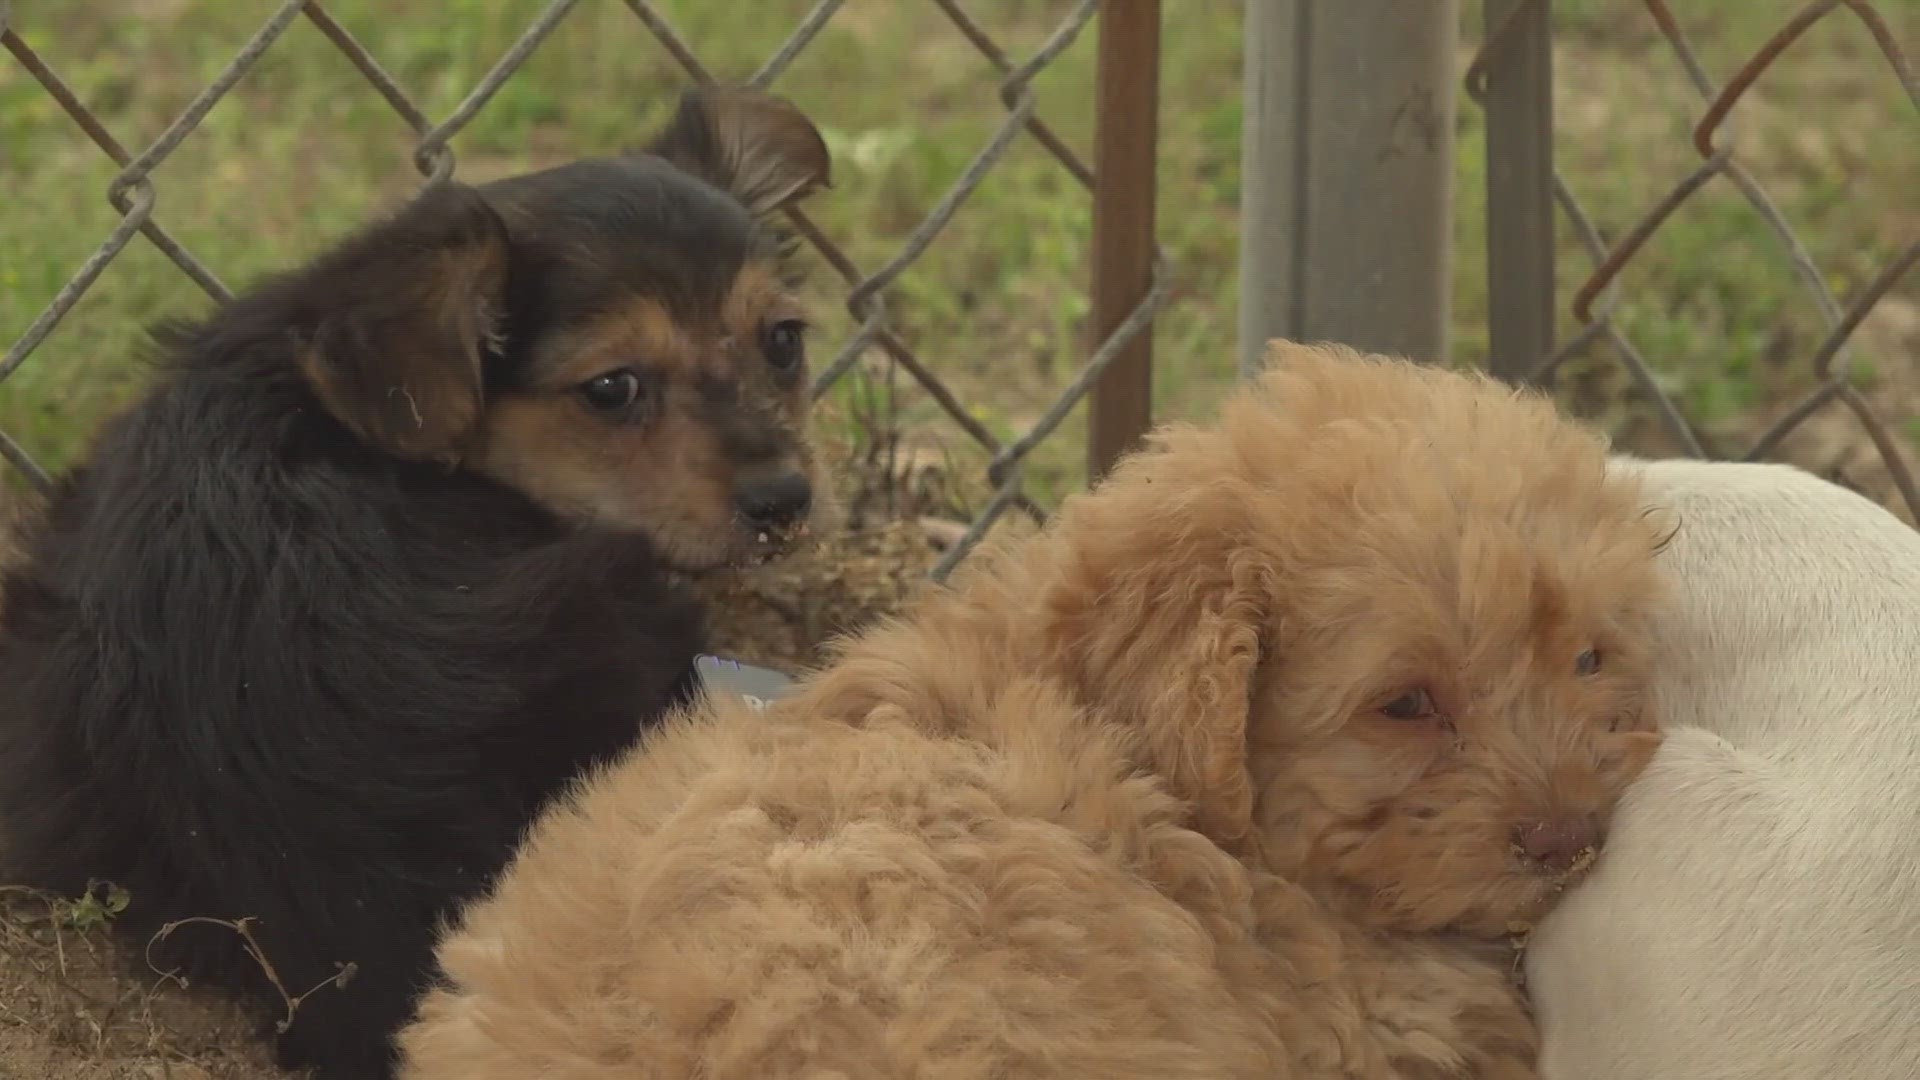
[1756,911]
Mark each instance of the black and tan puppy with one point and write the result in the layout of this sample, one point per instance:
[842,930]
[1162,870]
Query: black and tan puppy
[385,559]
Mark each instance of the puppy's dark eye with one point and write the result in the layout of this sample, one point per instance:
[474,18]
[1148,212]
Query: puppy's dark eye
[1412,705]
[786,344]
[611,391]
[1587,662]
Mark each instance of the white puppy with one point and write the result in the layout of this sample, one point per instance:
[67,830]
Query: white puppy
[1756,914]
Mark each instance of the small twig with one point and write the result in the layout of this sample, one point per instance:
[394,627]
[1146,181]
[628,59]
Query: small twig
[243,927]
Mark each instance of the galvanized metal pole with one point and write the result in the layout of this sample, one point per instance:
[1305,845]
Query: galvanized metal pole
[1126,144]
[1518,100]
[1347,175]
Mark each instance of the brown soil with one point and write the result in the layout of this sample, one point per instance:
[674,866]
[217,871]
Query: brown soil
[75,1006]
[780,614]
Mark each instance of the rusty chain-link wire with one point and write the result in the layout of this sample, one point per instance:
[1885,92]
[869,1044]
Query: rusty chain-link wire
[132,193]
[1595,302]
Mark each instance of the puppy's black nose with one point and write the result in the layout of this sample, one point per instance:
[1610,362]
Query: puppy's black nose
[773,502]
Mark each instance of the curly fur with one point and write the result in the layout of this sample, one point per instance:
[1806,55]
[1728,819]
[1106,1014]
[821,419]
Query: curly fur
[308,640]
[1123,801]
[1758,914]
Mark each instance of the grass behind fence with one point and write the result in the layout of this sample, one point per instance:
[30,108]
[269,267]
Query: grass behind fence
[304,150]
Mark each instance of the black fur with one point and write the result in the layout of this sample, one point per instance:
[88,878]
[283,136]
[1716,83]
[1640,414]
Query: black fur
[254,665]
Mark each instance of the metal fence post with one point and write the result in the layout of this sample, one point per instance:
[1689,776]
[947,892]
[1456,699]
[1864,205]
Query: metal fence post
[1125,153]
[1347,174]
[1518,99]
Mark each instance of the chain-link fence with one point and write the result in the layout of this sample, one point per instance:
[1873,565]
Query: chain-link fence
[133,194]
[1519,32]
[880,331]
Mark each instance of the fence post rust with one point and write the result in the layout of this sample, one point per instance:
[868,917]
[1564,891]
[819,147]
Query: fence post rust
[1347,175]
[1125,153]
[1520,211]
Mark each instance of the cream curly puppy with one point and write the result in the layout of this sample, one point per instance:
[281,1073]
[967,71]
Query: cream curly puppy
[1244,767]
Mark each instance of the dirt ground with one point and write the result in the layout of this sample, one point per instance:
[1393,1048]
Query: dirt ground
[74,1005]
[780,614]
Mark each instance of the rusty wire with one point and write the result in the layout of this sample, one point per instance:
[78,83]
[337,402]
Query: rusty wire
[132,193]
[1596,299]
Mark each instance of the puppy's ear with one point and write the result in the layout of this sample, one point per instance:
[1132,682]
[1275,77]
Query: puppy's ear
[1163,616]
[756,147]
[405,313]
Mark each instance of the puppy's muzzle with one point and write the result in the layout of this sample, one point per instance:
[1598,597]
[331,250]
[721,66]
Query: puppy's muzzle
[774,503]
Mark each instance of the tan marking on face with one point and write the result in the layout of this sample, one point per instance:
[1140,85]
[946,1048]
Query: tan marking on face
[640,334]
[758,300]
[668,467]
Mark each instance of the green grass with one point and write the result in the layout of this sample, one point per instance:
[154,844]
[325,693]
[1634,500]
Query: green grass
[303,150]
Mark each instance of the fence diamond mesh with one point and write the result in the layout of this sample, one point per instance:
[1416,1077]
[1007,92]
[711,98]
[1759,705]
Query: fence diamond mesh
[1596,301]
[133,193]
